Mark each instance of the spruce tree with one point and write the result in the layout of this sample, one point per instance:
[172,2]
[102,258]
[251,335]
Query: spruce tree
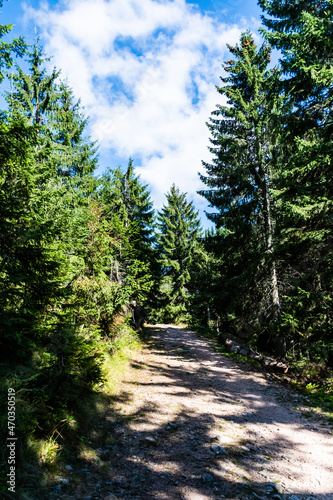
[42,252]
[129,200]
[51,106]
[240,180]
[74,154]
[178,248]
[31,260]
[33,94]
[61,149]
[302,31]
[129,211]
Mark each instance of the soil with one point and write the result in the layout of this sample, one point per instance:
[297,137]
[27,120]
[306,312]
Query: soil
[191,424]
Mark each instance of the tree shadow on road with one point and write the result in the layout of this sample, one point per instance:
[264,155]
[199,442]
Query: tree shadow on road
[179,458]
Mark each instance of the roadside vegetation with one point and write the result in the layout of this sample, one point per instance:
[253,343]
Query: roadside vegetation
[84,261]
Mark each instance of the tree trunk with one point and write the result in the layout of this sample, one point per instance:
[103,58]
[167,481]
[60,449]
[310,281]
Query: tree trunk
[280,345]
[275,297]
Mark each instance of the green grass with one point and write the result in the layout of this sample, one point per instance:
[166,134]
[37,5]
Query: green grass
[54,433]
[116,362]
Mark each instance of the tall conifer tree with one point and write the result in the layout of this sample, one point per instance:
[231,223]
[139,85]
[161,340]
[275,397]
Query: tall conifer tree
[129,210]
[73,152]
[302,31]
[178,246]
[33,94]
[240,179]
[129,200]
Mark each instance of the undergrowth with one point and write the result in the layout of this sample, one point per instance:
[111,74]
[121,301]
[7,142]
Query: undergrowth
[50,430]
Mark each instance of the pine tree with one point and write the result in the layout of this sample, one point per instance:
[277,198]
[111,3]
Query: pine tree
[41,254]
[129,200]
[129,210]
[178,247]
[33,94]
[240,180]
[74,154]
[302,31]
[31,260]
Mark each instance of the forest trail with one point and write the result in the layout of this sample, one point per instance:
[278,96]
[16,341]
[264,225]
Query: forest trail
[191,424]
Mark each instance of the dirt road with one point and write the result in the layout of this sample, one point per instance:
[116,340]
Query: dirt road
[191,424]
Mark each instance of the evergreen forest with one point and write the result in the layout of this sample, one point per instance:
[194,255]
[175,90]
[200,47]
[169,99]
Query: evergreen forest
[85,261]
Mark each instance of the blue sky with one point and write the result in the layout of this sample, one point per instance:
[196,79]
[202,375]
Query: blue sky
[145,71]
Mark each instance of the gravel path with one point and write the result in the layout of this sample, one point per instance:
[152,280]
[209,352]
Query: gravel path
[191,424]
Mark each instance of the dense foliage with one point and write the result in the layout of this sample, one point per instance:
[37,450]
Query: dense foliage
[72,255]
[302,31]
[81,257]
[240,182]
[271,182]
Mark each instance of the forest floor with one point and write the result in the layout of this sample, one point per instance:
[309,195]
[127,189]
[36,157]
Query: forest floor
[191,424]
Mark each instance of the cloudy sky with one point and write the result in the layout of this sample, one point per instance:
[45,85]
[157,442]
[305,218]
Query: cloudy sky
[145,71]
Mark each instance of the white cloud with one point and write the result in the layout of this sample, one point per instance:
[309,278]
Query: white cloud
[145,70]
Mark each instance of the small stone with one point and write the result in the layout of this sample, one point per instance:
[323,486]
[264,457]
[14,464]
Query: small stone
[150,439]
[245,448]
[218,450]
[68,467]
[207,478]
[263,472]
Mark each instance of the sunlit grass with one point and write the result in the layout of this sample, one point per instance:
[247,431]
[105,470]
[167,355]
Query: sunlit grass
[115,363]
